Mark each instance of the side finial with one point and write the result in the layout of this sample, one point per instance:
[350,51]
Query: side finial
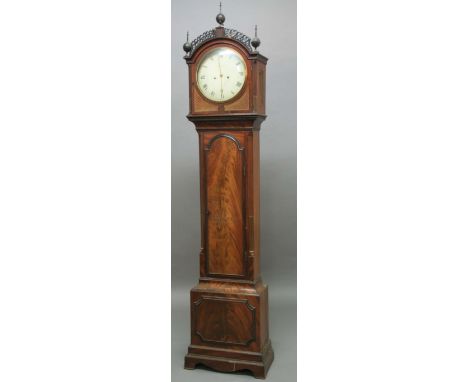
[187,46]
[220,17]
[255,41]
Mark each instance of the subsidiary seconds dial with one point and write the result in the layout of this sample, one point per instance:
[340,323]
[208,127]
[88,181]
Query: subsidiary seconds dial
[221,74]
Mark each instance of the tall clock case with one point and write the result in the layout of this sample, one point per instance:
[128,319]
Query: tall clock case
[229,306]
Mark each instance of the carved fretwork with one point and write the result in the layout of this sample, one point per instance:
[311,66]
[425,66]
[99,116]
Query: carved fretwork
[239,36]
[229,33]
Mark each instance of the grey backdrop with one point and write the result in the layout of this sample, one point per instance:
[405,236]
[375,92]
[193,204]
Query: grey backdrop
[277,30]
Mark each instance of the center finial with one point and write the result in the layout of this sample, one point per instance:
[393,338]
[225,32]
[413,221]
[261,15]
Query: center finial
[220,17]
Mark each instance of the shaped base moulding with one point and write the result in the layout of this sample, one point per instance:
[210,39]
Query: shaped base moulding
[257,363]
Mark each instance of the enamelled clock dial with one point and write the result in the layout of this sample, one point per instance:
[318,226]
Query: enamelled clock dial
[221,74]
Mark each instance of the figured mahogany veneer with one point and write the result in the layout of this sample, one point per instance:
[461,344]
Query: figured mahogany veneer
[230,327]
[229,306]
[224,161]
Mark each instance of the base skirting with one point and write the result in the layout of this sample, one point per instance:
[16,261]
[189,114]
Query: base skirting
[257,363]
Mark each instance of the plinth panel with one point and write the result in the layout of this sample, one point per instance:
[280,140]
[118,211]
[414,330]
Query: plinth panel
[224,320]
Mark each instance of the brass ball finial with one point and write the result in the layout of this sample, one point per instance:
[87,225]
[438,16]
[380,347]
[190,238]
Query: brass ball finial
[187,46]
[255,41]
[220,17]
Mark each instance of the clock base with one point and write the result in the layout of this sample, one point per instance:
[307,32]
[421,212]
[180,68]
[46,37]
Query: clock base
[229,328]
[257,363]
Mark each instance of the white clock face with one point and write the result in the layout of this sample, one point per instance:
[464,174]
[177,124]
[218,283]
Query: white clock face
[221,74]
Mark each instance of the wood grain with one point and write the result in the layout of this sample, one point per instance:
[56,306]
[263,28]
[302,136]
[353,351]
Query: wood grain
[225,320]
[224,173]
[229,327]
[241,103]
[201,104]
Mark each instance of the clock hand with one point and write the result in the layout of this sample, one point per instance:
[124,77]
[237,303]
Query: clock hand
[220,75]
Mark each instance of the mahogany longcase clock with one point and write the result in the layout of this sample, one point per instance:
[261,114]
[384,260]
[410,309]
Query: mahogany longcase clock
[229,306]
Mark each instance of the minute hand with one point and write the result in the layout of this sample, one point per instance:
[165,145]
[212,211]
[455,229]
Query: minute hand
[220,77]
